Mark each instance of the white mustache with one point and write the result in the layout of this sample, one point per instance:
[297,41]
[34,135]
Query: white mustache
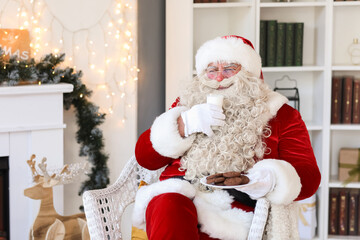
[211,83]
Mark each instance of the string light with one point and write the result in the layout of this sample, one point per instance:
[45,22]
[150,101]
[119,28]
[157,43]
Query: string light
[118,33]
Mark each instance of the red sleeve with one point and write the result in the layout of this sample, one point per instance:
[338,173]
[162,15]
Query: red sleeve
[295,147]
[146,155]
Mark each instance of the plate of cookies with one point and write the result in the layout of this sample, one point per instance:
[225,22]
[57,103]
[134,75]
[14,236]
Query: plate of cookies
[225,180]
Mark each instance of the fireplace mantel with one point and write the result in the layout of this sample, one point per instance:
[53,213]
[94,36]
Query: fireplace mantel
[31,122]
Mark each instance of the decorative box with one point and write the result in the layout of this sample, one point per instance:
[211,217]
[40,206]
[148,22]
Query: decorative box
[349,165]
[307,218]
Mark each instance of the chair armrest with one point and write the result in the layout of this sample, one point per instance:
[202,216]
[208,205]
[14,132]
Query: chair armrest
[259,220]
[104,207]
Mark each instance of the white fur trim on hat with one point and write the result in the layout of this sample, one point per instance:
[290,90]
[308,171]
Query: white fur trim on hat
[146,193]
[275,102]
[229,50]
[287,185]
[165,136]
[218,219]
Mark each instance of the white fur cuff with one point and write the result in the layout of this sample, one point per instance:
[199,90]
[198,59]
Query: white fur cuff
[146,193]
[165,136]
[218,219]
[287,185]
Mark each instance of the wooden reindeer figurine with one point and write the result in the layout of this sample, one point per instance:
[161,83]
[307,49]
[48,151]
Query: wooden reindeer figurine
[49,225]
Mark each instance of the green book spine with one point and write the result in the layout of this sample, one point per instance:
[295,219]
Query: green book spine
[289,44]
[271,43]
[280,45]
[298,44]
[263,24]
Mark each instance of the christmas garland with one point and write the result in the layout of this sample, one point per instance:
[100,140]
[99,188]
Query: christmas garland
[89,136]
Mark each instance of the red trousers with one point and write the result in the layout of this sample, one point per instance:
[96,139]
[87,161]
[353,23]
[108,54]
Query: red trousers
[172,216]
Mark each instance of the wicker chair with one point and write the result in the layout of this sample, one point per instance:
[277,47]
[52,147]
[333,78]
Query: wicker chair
[104,207]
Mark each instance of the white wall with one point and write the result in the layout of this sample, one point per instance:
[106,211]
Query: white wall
[79,28]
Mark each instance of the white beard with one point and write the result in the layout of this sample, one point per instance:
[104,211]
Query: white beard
[236,145]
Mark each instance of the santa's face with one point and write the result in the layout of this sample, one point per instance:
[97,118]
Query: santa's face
[236,145]
[219,74]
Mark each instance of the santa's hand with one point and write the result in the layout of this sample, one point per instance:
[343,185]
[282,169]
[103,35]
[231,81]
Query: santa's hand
[262,181]
[201,117]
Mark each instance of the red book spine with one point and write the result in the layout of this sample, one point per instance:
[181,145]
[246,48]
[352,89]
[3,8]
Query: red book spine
[343,212]
[333,212]
[353,211]
[336,97]
[347,99]
[356,102]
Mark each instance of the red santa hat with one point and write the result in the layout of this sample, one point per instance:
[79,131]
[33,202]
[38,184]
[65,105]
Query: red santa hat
[231,48]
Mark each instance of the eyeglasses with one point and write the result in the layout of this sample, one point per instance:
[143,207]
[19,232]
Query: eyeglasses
[226,71]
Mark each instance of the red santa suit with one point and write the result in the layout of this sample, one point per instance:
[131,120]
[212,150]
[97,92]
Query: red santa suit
[173,209]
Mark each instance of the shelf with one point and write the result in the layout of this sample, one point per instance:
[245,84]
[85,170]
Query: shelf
[313,127]
[347,127]
[294,69]
[333,237]
[346,68]
[346,4]
[292,4]
[338,184]
[223,5]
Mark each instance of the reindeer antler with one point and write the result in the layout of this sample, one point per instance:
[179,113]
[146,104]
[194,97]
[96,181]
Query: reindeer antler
[36,176]
[66,175]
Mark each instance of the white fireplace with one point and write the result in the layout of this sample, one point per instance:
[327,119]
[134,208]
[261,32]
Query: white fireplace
[31,122]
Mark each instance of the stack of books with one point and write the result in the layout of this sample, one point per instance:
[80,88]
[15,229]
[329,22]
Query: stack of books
[344,212]
[281,44]
[345,97]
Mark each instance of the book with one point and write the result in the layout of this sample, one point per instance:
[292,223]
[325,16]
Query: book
[262,52]
[347,99]
[353,211]
[343,211]
[280,44]
[298,43]
[336,97]
[333,211]
[356,102]
[289,44]
[271,43]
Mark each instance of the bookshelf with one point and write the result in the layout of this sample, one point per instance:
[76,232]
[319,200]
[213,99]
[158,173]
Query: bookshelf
[326,39]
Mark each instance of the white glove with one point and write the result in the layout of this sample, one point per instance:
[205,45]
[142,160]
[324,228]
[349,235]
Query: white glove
[262,181]
[201,117]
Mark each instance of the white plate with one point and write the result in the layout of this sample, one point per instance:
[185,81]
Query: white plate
[203,181]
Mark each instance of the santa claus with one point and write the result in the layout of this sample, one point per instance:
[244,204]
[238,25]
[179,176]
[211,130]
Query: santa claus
[254,142]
